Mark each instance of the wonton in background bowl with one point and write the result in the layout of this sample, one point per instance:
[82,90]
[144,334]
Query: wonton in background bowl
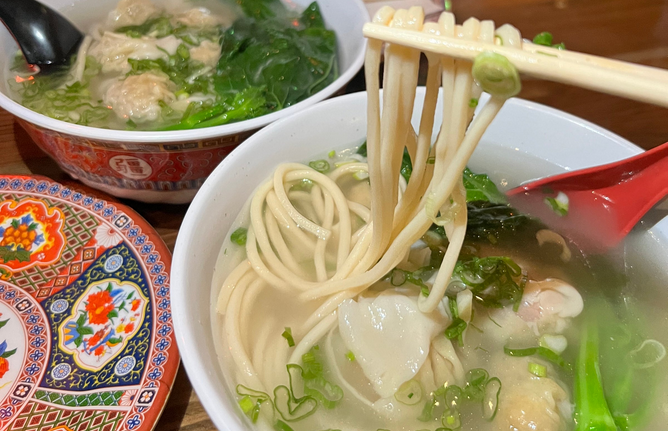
[167,162]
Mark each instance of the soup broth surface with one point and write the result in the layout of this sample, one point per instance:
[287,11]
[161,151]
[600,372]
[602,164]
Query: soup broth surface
[535,392]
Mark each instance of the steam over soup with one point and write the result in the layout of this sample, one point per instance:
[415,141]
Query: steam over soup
[388,287]
[187,65]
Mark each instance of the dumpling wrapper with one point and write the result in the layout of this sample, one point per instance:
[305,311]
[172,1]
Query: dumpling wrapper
[389,337]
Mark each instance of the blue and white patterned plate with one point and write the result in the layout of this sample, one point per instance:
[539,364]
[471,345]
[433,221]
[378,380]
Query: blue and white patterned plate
[86,339]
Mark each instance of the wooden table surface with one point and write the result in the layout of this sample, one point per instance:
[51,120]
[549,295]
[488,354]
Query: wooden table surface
[631,30]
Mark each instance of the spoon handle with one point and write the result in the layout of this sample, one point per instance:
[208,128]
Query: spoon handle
[45,36]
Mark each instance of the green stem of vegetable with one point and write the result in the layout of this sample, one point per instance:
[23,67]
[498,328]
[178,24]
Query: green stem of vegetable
[591,409]
[621,390]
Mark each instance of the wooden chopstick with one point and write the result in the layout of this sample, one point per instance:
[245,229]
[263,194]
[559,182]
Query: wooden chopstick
[593,60]
[641,83]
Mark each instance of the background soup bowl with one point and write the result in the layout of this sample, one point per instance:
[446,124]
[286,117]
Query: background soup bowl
[525,141]
[164,166]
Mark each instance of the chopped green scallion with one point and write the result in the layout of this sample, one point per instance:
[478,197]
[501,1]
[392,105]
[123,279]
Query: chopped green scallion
[543,352]
[544,38]
[321,166]
[239,236]
[473,102]
[537,370]
[246,404]
[559,204]
[331,154]
[350,355]
[287,334]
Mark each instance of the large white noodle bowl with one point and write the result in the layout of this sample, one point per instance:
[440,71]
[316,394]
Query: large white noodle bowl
[555,141]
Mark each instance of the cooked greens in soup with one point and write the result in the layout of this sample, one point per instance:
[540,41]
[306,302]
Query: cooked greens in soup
[388,287]
[186,66]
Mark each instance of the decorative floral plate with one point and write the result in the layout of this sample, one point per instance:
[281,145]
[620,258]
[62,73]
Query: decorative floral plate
[86,339]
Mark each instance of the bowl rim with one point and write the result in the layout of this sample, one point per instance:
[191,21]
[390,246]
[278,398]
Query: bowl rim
[113,135]
[185,325]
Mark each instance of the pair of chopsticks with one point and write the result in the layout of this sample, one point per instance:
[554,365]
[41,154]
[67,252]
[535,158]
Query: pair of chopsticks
[619,78]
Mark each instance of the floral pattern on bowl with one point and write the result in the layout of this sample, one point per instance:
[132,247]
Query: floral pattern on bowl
[86,337]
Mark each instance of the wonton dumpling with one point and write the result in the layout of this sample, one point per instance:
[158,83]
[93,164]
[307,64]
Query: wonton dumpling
[113,50]
[197,17]
[207,52]
[137,97]
[530,406]
[131,12]
[389,337]
[549,304]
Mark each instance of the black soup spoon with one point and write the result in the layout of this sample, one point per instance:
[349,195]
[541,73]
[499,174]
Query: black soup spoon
[46,38]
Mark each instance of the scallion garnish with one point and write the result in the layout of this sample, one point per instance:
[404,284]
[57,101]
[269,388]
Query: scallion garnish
[543,352]
[246,404]
[537,370]
[458,326]
[282,426]
[251,401]
[544,38]
[409,393]
[321,166]
[559,204]
[239,236]
[287,334]
[350,355]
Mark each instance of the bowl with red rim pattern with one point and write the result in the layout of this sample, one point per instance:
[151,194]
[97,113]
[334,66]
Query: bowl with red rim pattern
[166,166]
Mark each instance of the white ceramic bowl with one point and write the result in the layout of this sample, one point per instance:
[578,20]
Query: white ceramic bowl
[526,141]
[165,166]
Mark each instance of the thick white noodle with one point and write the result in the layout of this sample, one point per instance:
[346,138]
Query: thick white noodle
[306,241]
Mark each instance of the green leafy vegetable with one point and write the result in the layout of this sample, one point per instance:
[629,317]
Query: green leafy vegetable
[591,409]
[162,26]
[406,166]
[479,187]
[248,103]
[289,57]
[627,362]
[494,281]
[271,59]
[239,236]
[362,150]
[488,221]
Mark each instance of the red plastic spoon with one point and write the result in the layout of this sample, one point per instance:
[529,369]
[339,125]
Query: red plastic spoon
[604,202]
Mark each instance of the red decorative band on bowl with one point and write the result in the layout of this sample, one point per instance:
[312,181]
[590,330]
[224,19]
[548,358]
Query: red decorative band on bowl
[172,166]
